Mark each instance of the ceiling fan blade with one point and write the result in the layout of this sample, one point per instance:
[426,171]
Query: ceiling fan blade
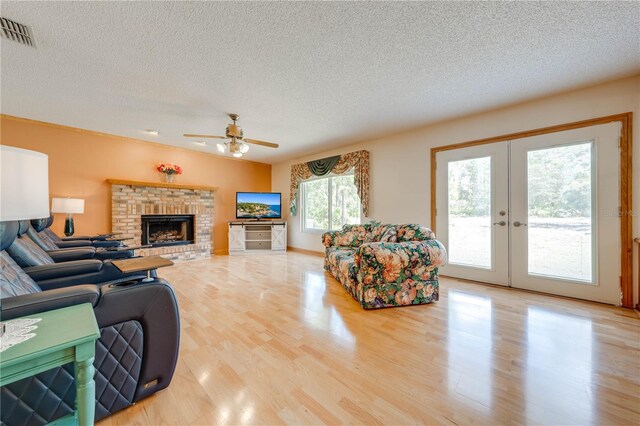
[263,143]
[191,135]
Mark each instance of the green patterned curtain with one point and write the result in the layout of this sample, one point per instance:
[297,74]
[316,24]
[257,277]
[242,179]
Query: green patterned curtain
[358,161]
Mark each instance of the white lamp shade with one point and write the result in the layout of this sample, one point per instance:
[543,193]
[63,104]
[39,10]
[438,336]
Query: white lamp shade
[67,205]
[24,184]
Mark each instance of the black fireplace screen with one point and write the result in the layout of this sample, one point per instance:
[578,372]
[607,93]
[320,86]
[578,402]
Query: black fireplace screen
[167,230]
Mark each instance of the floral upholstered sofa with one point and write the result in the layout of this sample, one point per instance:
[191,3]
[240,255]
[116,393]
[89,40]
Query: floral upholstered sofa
[385,265]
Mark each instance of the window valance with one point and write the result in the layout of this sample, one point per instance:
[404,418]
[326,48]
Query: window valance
[339,164]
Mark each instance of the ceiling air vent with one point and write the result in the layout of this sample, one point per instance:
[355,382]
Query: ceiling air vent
[17,32]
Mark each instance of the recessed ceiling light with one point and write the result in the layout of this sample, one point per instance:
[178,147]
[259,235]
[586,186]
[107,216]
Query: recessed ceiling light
[201,143]
[152,132]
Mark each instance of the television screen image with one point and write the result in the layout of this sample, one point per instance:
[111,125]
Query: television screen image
[258,205]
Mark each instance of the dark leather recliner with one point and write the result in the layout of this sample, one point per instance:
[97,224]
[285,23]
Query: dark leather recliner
[61,268]
[136,354]
[36,234]
[43,227]
[29,239]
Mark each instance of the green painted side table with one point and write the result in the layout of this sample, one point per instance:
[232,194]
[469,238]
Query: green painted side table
[63,335]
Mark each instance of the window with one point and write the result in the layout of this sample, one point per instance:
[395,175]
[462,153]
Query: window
[329,202]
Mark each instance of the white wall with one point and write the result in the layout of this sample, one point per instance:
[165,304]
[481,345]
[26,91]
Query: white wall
[400,169]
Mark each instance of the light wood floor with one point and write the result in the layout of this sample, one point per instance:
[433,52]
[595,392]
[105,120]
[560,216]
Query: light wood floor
[272,339]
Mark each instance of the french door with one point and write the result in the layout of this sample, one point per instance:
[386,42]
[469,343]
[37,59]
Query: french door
[473,212]
[537,213]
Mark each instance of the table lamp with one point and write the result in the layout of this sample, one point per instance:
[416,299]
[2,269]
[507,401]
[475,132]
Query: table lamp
[24,184]
[68,206]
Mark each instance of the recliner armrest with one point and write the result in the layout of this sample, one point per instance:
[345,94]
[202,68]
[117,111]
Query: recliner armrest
[108,274]
[68,254]
[65,269]
[98,237]
[106,243]
[73,244]
[77,237]
[155,307]
[114,254]
[30,304]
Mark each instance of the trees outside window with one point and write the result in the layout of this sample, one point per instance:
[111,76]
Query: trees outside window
[329,203]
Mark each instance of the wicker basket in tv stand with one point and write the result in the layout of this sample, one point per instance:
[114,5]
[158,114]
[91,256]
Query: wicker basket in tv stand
[257,236]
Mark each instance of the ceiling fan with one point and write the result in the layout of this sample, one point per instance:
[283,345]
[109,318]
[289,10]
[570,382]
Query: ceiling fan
[237,143]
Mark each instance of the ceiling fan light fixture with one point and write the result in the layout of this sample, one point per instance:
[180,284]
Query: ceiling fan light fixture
[234,143]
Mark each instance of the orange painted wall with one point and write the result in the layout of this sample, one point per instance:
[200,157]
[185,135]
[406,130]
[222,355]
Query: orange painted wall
[81,161]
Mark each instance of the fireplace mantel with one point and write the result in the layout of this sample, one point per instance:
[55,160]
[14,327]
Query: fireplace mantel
[161,185]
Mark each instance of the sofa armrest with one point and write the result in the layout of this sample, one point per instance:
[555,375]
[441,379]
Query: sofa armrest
[64,269]
[68,254]
[73,244]
[30,304]
[328,238]
[380,263]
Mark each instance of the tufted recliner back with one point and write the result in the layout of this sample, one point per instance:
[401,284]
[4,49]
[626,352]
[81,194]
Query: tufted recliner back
[37,236]
[47,232]
[25,252]
[13,280]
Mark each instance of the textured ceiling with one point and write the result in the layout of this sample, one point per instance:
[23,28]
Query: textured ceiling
[305,75]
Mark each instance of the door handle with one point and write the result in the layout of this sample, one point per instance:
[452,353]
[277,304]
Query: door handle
[501,223]
[517,224]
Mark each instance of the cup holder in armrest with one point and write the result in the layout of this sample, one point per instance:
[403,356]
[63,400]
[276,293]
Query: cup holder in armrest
[125,282]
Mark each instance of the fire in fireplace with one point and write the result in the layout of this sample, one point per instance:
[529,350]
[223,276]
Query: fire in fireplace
[167,229]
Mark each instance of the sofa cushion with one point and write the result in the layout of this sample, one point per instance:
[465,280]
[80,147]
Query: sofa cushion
[413,232]
[383,234]
[368,227]
[353,237]
[356,235]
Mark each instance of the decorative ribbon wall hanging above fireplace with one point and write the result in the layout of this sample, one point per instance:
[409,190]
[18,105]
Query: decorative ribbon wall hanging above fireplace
[339,164]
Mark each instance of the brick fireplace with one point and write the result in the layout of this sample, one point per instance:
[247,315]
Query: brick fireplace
[131,200]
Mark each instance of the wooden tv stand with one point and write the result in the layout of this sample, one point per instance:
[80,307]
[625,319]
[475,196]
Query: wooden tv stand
[257,236]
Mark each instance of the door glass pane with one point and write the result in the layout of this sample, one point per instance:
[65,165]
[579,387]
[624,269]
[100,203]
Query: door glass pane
[559,181]
[470,212]
[345,208]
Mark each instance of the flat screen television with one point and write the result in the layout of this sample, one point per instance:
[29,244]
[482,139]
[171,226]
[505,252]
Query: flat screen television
[258,205]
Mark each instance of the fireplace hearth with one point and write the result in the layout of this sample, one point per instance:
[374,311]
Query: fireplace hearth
[167,230]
